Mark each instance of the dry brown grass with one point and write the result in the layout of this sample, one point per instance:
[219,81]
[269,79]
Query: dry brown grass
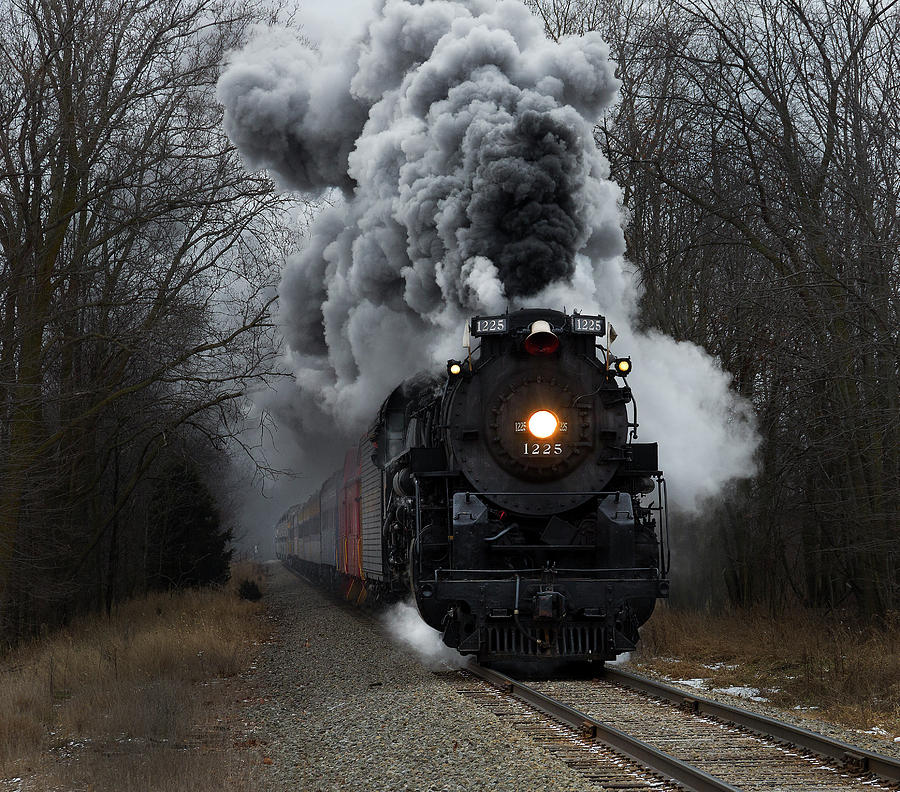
[848,673]
[125,702]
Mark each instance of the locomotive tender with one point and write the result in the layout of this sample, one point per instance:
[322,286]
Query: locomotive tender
[507,497]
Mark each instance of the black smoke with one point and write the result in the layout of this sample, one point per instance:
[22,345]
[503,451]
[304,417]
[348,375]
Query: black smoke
[455,144]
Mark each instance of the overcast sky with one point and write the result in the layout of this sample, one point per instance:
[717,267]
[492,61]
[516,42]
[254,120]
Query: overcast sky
[322,19]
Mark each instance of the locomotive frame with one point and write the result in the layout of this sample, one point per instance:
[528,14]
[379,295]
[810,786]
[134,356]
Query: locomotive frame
[508,498]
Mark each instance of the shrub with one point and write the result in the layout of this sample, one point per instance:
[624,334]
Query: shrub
[248,590]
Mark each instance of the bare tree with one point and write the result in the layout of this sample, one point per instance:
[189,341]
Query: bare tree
[757,144]
[138,273]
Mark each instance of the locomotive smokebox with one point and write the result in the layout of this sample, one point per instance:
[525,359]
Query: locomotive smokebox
[539,427]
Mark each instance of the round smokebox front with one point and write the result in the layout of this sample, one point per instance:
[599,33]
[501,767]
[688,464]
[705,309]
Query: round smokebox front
[529,436]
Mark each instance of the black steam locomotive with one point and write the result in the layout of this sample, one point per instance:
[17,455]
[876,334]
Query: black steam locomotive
[508,497]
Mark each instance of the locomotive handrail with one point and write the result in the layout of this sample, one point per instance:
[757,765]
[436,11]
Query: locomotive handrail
[651,570]
[510,574]
[512,547]
[418,525]
[664,516]
[502,533]
[469,493]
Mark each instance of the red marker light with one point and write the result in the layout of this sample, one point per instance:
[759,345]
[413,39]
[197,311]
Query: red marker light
[541,346]
[542,340]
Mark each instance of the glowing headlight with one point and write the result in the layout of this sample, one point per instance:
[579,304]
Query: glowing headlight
[543,423]
[623,366]
[454,367]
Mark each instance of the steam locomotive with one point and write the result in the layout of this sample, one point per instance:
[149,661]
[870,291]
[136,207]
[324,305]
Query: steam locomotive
[508,498]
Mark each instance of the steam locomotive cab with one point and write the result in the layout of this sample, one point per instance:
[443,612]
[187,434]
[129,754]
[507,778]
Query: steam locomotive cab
[522,516]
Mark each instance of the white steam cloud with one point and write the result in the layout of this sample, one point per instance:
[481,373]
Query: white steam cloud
[406,626]
[457,142]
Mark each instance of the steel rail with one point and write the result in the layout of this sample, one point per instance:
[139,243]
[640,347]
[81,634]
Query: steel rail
[688,776]
[851,755]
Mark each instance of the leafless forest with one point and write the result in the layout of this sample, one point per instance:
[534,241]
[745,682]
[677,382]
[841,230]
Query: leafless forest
[138,274]
[758,148]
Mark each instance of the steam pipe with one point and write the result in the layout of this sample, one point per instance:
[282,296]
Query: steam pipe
[518,623]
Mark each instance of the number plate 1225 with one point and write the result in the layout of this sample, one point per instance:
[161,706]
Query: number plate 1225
[542,449]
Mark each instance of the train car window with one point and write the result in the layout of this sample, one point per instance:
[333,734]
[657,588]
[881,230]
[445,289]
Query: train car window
[412,433]
[395,433]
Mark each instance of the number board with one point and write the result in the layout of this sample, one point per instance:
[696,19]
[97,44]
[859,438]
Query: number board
[589,325]
[489,325]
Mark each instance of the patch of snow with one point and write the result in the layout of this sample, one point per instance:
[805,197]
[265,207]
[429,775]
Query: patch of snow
[877,731]
[699,684]
[742,692]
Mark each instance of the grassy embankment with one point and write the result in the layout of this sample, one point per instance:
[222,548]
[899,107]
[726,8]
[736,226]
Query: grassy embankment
[139,701]
[819,665]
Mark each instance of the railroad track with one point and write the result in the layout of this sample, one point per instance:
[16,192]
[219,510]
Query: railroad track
[628,732]
[624,731]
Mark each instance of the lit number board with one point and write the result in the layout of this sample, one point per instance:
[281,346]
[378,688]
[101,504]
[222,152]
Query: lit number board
[589,325]
[489,325]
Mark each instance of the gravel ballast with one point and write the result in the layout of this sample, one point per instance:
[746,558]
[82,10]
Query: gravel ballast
[339,705]
[854,737]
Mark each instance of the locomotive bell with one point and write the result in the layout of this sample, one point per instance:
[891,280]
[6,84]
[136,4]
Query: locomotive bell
[542,340]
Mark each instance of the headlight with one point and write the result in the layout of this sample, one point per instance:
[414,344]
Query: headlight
[454,367]
[623,366]
[543,423]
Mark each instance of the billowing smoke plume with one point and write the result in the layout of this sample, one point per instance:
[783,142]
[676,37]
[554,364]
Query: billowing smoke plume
[457,143]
